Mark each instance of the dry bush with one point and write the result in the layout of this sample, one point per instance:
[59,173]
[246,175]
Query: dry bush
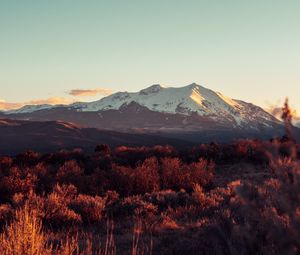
[6,212]
[171,173]
[18,181]
[70,172]
[177,175]
[169,199]
[57,210]
[46,177]
[132,206]
[54,208]
[122,180]
[201,172]
[146,177]
[5,164]
[202,199]
[28,158]
[63,206]
[142,179]
[90,208]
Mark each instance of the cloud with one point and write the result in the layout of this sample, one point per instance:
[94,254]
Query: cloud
[277,111]
[7,106]
[52,101]
[89,92]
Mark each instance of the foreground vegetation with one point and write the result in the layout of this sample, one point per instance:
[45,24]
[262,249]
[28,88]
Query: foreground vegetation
[241,198]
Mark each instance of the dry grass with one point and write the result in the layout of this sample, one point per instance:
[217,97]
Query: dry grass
[24,235]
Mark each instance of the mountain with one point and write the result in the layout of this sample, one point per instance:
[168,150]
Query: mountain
[185,101]
[17,136]
[190,111]
[30,108]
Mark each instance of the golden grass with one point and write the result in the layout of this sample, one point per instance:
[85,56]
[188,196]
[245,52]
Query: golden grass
[24,235]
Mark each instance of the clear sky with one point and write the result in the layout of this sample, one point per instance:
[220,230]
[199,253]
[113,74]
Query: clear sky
[248,50]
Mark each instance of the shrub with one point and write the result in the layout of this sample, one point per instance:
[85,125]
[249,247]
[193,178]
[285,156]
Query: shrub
[70,173]
[28,158]
[5,164]
[56,206]
[171,173]
[17,182]
[177,175]
[103,150]
[90,208]
[169,199]
[202,199]
[6,212]
[132,206]
[122,180]
[146,177]
[201,173]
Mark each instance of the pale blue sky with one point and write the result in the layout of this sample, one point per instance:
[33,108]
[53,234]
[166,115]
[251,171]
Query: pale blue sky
[248,50]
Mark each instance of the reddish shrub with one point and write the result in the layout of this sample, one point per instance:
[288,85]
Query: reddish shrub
[17,182]
[122,180]
[70,172]
[56,206]
[171,173]
[5,164]
[90,208]
[146,177]
[176,175]
[6,212]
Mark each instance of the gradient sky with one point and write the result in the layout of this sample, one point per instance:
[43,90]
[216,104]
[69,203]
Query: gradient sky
[248,50]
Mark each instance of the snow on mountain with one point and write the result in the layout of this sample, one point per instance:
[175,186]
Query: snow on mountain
[183,100]
[30,108]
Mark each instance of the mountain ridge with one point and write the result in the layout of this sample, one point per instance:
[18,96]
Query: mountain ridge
[186,101]
[17,136]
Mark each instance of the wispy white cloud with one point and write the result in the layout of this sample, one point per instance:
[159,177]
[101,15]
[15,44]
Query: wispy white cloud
[7,105]
[90,92]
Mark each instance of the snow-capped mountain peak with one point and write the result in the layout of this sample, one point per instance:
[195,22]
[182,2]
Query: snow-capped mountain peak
[151,90]
[186,100]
